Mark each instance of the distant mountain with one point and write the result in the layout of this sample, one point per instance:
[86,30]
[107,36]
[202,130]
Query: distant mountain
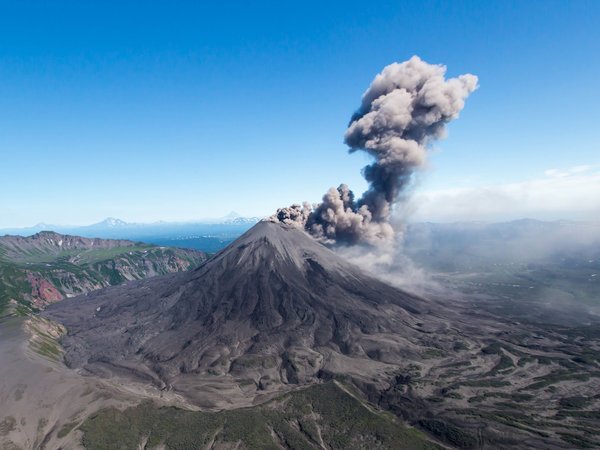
[43,226]
[232,215]
[48,266]
[48,244]
[209,236]
[111,222]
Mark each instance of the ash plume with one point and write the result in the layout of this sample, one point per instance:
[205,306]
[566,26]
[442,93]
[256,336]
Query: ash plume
[404,110]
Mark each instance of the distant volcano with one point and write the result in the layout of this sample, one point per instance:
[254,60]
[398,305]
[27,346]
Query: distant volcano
[273,309]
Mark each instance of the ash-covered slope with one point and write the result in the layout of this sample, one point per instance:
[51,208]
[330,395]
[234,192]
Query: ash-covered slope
[274,308]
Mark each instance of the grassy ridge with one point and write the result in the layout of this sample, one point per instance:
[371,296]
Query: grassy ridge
[38,256]
[78,271]
[319,415]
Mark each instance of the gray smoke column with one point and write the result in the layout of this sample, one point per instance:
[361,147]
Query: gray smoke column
[405,109]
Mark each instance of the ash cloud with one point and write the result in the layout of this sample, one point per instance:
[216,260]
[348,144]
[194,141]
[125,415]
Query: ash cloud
[404,110]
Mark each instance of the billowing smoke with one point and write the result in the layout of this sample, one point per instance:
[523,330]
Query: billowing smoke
[404,110]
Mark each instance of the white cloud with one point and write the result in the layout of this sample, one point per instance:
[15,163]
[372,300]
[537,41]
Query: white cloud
[556,173]
[572,193]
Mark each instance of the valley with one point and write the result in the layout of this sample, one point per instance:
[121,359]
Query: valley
[47,267]
[526,270]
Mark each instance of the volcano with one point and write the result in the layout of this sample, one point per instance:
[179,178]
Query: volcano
[276,320]
[273,310]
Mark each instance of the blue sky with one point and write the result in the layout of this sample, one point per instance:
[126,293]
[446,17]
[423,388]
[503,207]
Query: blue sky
[148,111]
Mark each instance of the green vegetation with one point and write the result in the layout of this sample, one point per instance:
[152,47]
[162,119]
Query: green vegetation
[526,360]
[44,338]
[504,364]
[432,353]
[544,360]
[456,365]
[557,377]
[449,433]
[493,383]
[594,415]
[498,348]
[460,345]
[299,420]
[13,284]
[455,395]
[574,402]
[578,441]
[47,349]
[495,348]
[75,271]
[515,419]
[66,429]
[511,396]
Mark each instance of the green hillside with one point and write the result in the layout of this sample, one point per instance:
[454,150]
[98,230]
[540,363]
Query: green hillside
[320,416]
[47,267]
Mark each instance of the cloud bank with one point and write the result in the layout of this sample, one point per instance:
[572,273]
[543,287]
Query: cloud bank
[571,193]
